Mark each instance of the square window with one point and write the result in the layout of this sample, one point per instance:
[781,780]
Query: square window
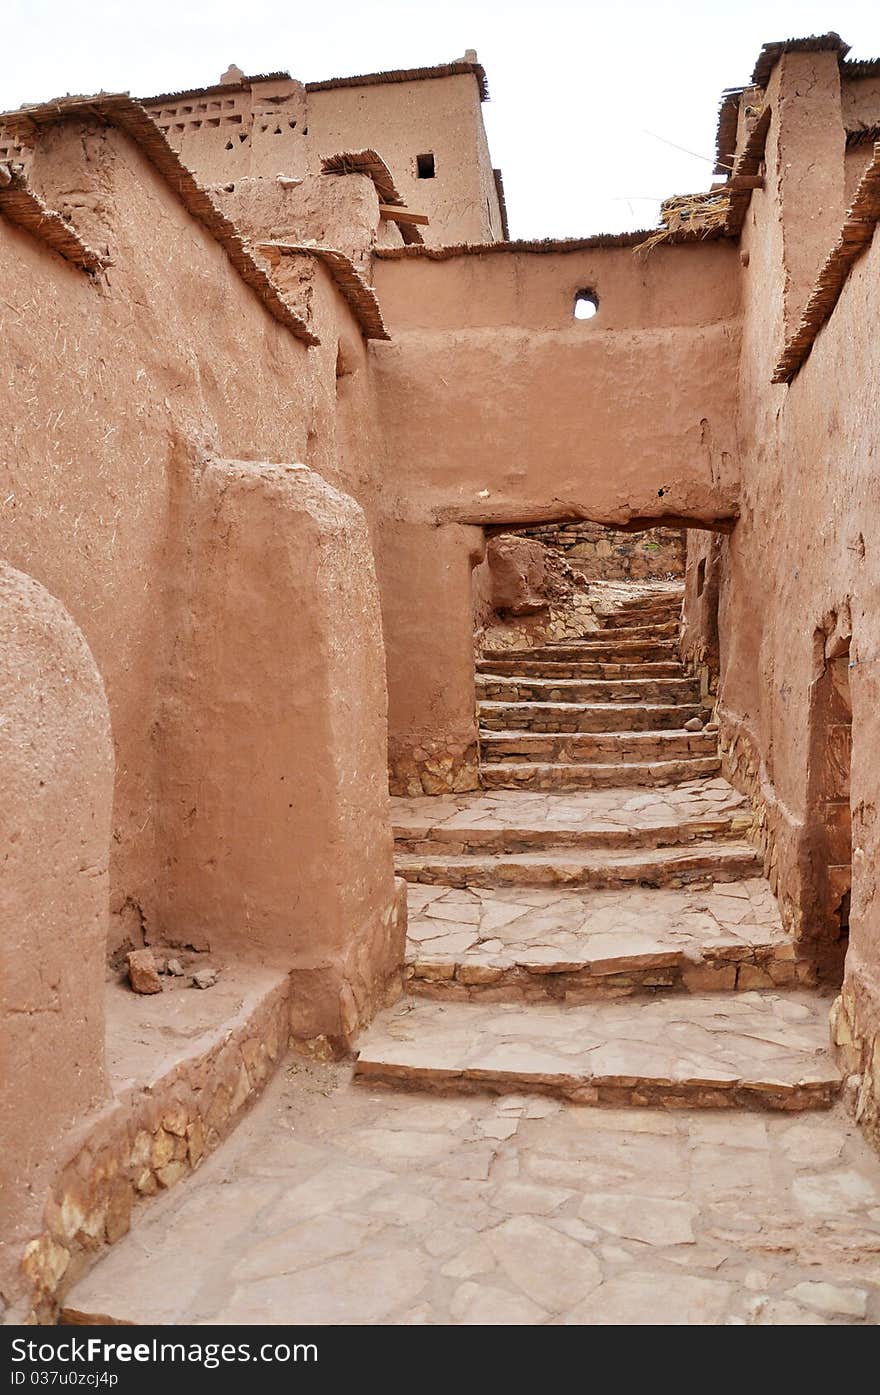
[425,165]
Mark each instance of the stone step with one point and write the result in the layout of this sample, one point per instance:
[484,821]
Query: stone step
[605,648]
[599,748]
[549,668]
[653,630]
[674,691]
[760,1050]
[510,945]
[606,867]
[644,615]
[517,820]
[581,716]
[527,775]
[413,837]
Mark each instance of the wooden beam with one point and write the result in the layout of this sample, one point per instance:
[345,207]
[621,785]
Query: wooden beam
[401,215]
[745,181]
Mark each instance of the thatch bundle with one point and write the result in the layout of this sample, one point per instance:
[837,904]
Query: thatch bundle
[690,217]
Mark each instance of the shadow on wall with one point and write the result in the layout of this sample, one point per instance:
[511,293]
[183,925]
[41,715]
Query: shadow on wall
[828,845]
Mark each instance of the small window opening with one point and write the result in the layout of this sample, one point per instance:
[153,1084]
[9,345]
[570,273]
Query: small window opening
[586,303]
[425,165]
[701,577]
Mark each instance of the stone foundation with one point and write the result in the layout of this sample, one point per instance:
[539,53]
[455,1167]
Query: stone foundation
[149,1138]
[156,1132]
[856,1037]
[607,554]
[330,1005]
[434,769]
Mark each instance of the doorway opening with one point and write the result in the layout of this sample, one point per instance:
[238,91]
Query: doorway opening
[581,675]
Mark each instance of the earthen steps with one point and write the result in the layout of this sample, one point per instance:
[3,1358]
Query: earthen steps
[575,866]
[588,649]
[510,836]
[599,748]
[625,619]
[761,1050]
[535,775]
[672,691]
[576,716]
[509,945]
[550,668]
[651,630]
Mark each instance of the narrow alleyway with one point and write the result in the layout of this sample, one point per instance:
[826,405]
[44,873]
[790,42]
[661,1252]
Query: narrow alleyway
[591,929]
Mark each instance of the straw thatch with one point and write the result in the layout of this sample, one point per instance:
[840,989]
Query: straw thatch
[120,110]
[852,69]
[370,163]
[21,205]
[502,204]
[814,43]
[360,297]
[859,227]
[440,70]
[690,218]
[749,162]
[864,135]
[244,85]
[725,135]
[548,246]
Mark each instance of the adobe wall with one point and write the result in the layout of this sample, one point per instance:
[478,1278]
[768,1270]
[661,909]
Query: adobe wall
[797,591]
[165,363]
[498,407]
[56,774]
[279,127]
[401,120]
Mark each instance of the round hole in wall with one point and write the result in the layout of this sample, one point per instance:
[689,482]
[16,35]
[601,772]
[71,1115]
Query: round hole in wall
[586,304]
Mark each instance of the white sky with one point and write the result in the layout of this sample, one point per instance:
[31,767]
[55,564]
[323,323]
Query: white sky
[575,87]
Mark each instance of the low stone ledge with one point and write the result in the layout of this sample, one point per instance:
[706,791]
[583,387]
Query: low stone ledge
[181,1080]
[855,1035]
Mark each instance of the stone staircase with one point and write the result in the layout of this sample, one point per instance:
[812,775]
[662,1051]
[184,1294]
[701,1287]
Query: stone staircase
[594,924]
[609,710]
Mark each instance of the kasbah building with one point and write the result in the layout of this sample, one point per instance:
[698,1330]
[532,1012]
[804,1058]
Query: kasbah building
[439,716]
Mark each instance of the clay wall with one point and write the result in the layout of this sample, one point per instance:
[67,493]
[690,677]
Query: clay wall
[797,593]
[402,120]
[499,407]
[56,773]
[144,376]
[279,127]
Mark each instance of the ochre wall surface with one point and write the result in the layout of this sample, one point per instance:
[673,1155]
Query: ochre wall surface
[797,591]
[280,128]
[499,407]
[401,120]
[56,776]
[143,376]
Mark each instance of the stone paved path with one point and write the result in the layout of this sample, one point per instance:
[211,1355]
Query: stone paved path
[334,1203]
[613,946]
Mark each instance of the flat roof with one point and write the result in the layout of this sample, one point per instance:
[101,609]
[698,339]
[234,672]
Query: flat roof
[458,68]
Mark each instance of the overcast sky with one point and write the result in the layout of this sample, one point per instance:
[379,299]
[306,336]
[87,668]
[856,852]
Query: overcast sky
[581,93]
